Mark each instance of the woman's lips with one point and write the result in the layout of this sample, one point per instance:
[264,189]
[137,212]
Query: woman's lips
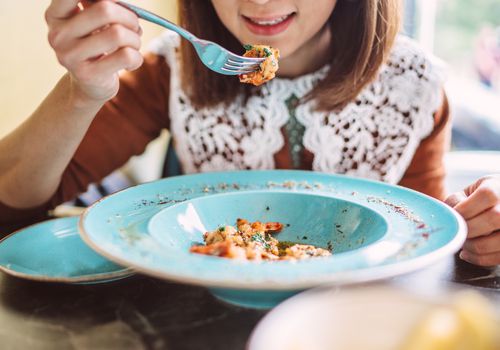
[270,25]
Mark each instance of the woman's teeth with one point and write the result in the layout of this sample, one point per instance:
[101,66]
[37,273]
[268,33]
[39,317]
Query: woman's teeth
[270,22]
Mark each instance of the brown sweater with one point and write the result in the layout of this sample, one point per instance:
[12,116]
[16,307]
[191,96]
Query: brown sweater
[139,112]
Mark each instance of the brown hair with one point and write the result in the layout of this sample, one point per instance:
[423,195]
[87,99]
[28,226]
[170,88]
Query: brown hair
[367,31]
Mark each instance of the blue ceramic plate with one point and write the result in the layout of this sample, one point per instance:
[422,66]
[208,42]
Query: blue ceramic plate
[53,251]
[376,230]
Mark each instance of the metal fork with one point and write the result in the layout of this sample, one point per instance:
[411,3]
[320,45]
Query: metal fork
[211,54]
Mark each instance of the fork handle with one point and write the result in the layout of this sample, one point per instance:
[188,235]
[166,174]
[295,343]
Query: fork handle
[153,18]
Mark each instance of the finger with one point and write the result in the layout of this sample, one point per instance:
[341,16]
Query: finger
[484,197]
[99,15]
[124,58]
[62,35]
[484,245]
[484,223]
[61,9]
[455,198]
[471,188]
[481,259]
[106,42]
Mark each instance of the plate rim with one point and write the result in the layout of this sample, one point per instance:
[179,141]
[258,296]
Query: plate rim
[325,292]
[89,278]
[367,274]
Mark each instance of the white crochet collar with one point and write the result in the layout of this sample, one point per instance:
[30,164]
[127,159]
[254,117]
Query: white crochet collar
[374,136]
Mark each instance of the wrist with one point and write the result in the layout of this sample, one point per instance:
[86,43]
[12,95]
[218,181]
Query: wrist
[80,99]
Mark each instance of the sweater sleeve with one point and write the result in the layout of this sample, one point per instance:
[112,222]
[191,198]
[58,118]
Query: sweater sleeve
[121,129]
[426,172]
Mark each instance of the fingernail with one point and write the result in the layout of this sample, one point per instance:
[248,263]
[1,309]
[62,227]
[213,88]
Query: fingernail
[462,255]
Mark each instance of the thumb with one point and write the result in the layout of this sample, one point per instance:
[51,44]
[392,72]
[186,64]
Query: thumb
[455,198]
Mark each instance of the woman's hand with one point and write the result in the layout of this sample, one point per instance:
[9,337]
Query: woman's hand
[479,204]
[94,40]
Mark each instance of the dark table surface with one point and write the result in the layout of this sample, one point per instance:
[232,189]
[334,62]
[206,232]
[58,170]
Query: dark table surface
[140,312]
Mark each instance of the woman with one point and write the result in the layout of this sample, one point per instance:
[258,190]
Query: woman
[351,97]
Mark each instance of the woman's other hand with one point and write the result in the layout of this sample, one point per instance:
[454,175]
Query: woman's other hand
[479,204]
[94,40]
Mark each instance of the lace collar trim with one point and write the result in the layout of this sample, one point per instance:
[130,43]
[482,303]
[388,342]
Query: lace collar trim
[374,136]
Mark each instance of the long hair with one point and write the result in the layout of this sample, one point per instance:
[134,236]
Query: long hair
[363,32]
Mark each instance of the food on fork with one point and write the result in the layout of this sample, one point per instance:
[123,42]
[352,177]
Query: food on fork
[268,68]
[253,241]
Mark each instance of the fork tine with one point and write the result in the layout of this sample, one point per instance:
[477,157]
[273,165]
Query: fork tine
[242,63]
[246,69]
[236,71]
[240,66]
[245,60]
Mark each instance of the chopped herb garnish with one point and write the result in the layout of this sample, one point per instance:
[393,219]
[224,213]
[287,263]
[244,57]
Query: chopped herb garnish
[260,239]
[267,52]
[283,245]
[222,228]
[247,47]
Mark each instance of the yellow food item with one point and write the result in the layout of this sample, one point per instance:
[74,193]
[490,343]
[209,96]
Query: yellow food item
[267,69]
[468,323]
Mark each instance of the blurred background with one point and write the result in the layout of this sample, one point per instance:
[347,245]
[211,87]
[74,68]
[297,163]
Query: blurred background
[464,34]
